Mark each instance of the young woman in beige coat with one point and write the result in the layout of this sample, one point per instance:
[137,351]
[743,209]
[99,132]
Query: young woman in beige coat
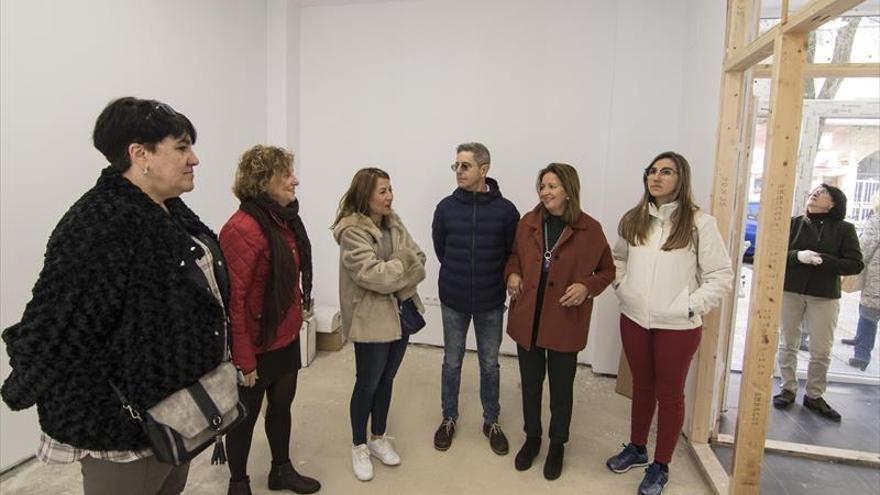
[379,266]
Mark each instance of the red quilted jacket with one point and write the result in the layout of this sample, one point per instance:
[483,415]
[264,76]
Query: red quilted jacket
[247,256]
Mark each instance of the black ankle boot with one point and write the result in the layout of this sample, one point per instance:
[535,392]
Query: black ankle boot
[284,477]
[240,487]
[527,453]
[553,463]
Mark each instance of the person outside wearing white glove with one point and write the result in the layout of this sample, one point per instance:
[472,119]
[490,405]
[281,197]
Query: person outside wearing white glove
[821,248]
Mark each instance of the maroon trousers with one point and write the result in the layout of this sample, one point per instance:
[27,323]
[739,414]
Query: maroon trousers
[659,360]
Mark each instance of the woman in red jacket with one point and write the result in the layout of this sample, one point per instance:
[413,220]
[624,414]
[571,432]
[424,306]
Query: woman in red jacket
[560,262]
[268,252]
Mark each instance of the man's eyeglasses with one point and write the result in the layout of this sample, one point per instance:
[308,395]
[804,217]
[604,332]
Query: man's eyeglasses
[463,166]
[664,172]
[160,107]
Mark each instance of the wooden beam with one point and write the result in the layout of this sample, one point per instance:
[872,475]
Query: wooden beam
[805,20]
[727,149]
[826,70]
[735,243]
[755,52]
[723,199]
[816,13]
[786,102]
[712,470]
[817,452]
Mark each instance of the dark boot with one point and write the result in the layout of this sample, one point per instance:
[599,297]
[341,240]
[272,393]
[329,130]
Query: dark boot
[553,462]
[527,453]
[284,477]
[241,487]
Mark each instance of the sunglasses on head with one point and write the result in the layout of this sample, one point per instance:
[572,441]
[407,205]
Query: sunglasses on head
[163,108]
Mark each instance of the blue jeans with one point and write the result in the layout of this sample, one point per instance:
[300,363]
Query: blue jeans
[487,326]
[377,365]
[866,332]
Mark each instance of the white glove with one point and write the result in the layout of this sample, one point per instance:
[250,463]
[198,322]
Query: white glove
[808,257]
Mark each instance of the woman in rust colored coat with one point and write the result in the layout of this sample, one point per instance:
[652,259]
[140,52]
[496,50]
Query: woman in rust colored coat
[560,262]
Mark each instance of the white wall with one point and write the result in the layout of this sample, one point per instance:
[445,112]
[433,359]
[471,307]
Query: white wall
[60,63]
[602,85]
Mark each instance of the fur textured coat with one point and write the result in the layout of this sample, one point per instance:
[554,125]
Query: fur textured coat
[369,287]
[119,299]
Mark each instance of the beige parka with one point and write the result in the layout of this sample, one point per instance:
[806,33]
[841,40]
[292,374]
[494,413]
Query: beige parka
[370,288]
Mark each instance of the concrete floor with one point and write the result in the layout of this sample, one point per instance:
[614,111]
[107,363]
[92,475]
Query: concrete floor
[322,436]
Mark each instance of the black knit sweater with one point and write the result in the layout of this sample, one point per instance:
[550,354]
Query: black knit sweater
[117,301]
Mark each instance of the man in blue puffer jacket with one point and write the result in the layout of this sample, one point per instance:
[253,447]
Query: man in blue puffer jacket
[473,232]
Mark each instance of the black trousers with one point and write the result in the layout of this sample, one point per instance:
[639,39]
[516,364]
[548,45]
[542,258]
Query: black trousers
[534,364]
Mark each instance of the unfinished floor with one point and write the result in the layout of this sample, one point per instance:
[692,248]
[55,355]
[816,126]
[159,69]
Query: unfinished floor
[322,436]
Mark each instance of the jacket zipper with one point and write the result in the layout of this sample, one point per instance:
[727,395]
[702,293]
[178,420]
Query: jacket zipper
[473,251]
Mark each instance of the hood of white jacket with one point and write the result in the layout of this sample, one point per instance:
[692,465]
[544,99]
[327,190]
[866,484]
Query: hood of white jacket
[663,212]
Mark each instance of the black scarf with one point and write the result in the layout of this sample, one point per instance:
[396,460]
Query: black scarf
[281,282]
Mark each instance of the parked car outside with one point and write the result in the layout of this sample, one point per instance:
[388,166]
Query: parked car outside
[751,230]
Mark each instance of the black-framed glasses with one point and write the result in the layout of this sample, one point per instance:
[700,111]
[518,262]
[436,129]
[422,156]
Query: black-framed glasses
[160,107]
[664,172]
[463,166]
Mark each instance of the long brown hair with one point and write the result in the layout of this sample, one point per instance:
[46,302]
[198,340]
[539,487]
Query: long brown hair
[568,177]
[357,198]
[635,223]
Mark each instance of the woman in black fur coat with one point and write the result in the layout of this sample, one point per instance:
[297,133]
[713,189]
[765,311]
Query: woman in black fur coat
[132,292]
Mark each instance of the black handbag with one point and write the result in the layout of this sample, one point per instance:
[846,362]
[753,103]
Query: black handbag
[411,321]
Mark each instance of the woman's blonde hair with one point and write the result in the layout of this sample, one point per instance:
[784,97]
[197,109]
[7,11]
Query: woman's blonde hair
[568,177]
[357,198]
[635,223]
[257,167]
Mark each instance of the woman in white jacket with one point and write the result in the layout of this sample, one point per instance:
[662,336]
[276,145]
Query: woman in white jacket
[672,268]
[379,265]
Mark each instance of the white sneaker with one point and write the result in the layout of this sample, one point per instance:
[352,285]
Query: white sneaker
[382,448]
[360,461]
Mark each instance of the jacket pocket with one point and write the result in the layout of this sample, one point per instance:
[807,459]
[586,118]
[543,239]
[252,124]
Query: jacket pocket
[676,312]
[374,318]
[627,298]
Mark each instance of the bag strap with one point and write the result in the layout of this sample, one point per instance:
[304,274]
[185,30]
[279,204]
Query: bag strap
[206,405]
[125,402]
[695,236]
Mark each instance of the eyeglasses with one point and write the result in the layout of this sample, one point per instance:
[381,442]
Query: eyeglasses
[162,108]
[463,166]
[664,172]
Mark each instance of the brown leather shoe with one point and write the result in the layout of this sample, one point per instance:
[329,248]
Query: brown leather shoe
[497,440]
[241,487]
[443,435]
[284,477]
